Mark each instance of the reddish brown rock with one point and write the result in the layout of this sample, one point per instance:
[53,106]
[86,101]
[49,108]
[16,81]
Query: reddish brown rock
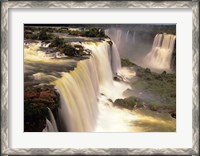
[36,101]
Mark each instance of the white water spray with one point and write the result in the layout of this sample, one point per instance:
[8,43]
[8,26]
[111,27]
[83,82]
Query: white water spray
[161,54]
[115,59]
[79,89]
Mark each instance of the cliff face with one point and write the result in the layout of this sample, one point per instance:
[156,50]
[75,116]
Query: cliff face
[36,101]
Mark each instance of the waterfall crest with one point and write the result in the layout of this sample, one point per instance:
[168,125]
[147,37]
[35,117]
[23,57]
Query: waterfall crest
[124,40]
[79,89]
[161,53]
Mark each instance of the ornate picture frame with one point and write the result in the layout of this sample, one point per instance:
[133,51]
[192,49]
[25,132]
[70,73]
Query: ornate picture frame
[6,5]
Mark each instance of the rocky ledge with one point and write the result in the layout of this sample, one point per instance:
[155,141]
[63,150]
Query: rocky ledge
[36,100]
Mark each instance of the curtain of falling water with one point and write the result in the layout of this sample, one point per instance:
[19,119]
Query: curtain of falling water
[160,55]
[79,89]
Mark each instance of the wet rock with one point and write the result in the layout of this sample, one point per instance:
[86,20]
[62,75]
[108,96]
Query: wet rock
[147,70]
[110,42]
[117,78]
[173,115]
[110,100]
[164,73]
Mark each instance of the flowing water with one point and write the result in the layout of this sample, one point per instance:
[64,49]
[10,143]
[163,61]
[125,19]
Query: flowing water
[51,125]
[115,59]
[161,54]
[88,90]
[79,92]
[130,43]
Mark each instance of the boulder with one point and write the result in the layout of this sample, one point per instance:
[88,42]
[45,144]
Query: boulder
[36,101]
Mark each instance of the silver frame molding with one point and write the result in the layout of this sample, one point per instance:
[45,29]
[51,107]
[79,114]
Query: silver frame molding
[98,4]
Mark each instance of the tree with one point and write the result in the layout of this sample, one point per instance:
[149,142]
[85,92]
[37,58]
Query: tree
[43,35]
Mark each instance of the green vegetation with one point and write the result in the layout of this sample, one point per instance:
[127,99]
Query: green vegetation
[88,32]
[129,103]
[127,63]
[64,48]
[45,33]
[57,42]
[67,49]
[61,30]
[31,36]
[161,85]
[75,33]
[42,35]
[93,32]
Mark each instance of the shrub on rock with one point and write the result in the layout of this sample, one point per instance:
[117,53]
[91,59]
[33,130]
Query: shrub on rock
[129,103]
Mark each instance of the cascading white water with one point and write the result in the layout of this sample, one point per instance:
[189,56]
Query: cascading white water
[79,89]
[134,36]
[116,35]
[115,59]
[82,107]
[125,41]
[51,125]
[119,36]
[78,98]
[52,119]
[160,55]
[127,35]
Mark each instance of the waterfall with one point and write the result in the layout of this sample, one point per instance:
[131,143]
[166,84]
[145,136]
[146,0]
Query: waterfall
[52,119]
[124,40]
[161,53]
[134,34]
[115,59]
[119,35]
[49,127]
[79,89]
[127,35]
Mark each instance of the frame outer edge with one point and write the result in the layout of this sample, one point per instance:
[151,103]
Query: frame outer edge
[99,4]
[195,70]
[4,77]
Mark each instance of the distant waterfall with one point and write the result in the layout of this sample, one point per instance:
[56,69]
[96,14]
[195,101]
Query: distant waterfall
[117,36]
[134,34]
[125,41]
[161,54]
[115,59]
[127,35]
[79,89]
